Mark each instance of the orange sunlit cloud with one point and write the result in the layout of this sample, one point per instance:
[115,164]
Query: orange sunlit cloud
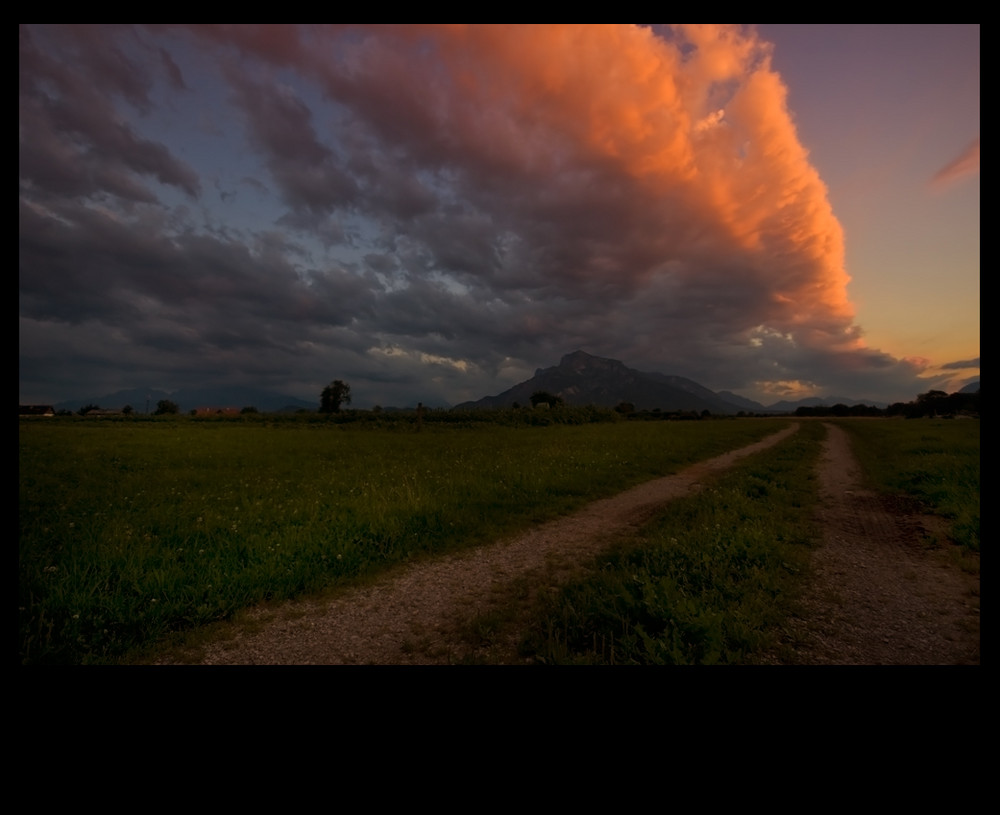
[708,130]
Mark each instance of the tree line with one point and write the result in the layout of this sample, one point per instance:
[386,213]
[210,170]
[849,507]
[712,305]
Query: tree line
[337,394]
[930,404]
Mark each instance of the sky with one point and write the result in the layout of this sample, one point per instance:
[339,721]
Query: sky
[431,213]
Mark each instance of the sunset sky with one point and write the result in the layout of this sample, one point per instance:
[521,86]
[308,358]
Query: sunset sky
[432,213]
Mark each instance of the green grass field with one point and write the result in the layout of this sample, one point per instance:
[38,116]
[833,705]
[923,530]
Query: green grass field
[713,578]
[709,582]
[129,531]
[936,461]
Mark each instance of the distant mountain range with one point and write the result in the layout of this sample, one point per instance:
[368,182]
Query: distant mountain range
[188,399]
[583,379]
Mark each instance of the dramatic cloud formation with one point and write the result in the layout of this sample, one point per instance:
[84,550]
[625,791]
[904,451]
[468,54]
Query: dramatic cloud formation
[430,212]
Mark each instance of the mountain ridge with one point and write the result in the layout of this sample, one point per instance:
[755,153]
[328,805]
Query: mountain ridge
[145,399]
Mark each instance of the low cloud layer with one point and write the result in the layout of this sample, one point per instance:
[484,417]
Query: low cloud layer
[428,212]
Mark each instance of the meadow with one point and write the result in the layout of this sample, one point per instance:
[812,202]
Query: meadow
[936,462]
[714,577]
[134,531]
[708,582]
[130,531]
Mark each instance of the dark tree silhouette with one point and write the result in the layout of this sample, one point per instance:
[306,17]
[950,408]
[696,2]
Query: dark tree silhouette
[334,395]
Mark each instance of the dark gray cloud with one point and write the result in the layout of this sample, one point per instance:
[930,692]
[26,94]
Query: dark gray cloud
[73,140]
[429,213]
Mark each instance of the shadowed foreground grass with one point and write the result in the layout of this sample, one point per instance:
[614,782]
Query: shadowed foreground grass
[709,582]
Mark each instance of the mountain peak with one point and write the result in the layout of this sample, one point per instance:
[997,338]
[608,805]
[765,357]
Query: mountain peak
[582,361]
[581,379]
[576,357]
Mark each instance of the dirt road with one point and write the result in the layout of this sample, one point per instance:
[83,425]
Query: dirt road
[878,597]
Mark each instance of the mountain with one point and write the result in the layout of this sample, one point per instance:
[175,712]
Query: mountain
[138,398]
[821,401]
[741,402]
[583,379]
[239,397]
[189,399]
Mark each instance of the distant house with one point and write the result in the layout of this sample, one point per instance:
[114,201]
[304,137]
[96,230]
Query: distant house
[100,412]
[36,410]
